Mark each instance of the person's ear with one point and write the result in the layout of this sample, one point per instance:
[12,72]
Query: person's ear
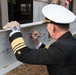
[53,28]
[49,27]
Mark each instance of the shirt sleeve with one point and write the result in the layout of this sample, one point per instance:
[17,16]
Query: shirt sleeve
[37,46]
[44,55]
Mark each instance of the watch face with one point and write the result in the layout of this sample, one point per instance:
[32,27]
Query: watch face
[14,28]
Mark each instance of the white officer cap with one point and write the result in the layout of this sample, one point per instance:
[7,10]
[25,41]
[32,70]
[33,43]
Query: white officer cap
[58,14]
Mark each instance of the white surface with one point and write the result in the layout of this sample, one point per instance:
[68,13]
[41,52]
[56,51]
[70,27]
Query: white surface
[37,12]
[7,58]
[24,25]
[58,14]
[10,67]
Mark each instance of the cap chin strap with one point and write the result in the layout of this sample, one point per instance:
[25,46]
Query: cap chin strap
[46,21]
[49,21]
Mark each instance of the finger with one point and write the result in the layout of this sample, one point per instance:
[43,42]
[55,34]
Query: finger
[15,23]
[6,26]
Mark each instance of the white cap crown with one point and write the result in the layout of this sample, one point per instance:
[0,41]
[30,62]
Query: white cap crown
[58,14]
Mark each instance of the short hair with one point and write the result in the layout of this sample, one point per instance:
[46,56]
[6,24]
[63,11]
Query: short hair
[64,27]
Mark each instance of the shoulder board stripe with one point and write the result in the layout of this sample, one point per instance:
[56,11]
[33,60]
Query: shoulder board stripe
[17,41]
[19,45]
[19,48]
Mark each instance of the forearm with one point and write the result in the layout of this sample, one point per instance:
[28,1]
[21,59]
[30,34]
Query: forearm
[17,41]
[22,52]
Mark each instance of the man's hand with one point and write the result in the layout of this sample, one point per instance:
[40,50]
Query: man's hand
[35,35]
[11,24]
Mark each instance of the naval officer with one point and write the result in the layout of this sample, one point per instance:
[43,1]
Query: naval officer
[60,56]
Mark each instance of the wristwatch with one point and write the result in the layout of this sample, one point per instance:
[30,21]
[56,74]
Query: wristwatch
[15,28]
